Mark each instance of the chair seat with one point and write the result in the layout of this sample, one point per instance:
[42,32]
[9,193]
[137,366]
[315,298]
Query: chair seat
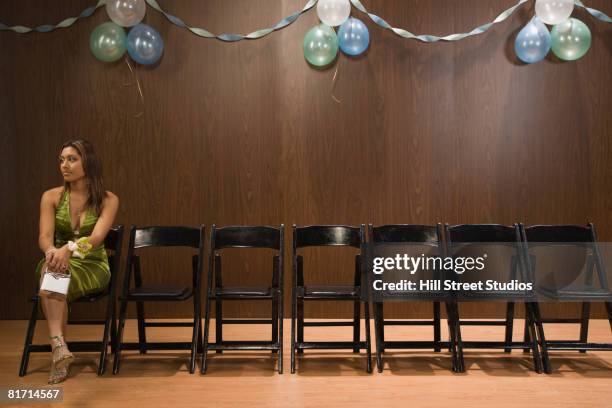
[92,297]
[241,291]
[160,292]
[577,291]
[331,291]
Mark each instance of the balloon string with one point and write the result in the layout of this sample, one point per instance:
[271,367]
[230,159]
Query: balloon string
[334,80]
[135,78]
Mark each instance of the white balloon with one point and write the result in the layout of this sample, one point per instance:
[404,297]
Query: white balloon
[126,13]
[554,11]
[333,12]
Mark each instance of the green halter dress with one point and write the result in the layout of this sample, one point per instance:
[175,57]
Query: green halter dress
[88,275]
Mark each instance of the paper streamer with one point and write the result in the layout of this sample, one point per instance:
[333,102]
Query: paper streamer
[290,19]
[427,38]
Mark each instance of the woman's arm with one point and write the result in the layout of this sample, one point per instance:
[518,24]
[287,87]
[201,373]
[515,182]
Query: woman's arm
[46,226]
[110,205]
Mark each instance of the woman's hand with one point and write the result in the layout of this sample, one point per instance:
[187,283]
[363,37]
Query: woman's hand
[59,259]
[49,254]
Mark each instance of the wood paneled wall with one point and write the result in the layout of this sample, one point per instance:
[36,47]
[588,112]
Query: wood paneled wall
[247,133]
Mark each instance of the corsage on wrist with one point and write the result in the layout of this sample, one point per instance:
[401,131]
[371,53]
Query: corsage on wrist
[80,248]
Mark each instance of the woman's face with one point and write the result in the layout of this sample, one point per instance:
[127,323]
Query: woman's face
[71,165]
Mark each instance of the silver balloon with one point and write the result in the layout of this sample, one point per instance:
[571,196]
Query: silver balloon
[554,11]
[333,12]
[126,13]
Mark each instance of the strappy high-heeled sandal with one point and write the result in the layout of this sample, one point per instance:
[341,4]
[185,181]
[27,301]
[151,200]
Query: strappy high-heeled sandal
[62,357]
[57,375]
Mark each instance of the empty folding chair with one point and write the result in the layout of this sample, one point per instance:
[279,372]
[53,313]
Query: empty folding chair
[112,243]
[510,254]
[143,290]
[413,237]
[575,272]
[272,291]
[327,235]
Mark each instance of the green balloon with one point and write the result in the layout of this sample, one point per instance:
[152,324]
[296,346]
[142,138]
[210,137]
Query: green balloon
[320,45]
[107,42]
[571,39]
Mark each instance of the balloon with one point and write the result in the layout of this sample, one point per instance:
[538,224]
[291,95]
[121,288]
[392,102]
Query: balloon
[554,11]
[353,37]
[333,12]
[532,42]
[144,44]
[571,39]
[107,42]
[126,13]
[320,45]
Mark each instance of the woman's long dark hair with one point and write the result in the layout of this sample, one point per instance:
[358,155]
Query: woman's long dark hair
[92,167]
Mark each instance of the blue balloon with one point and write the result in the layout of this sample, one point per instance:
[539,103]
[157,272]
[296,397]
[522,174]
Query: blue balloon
[144,44]
[353,37]
[532,42]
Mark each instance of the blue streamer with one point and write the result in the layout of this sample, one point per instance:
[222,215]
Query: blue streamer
[45,28]
[460,36]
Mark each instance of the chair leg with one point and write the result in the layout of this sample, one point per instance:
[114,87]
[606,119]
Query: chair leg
[532,337]
[203,366]
[300,323]
[275,321]
[451,334]
[377,330]
[142,337]
[200,336]
[114,329]
[293,322]
[25,358]
[608,306]
[219,323]
[542,338]
[107,328]
[436,325]
[509,325]
[382,327]
[356,325]
[366,306]
[526,337]
[458,341]
[584,323]
[196,331]
[280,323]
[118,345]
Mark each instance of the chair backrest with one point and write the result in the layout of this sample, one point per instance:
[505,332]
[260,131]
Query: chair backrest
[564,265]
[113,242]
[493,233]
[502,248]
[166,237]
[262,237]
[409,239]
[408,233]
[163,236]
[560,233]
[328,235]
[246,237]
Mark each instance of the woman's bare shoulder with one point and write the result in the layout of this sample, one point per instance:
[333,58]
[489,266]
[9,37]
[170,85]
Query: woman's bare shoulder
[111,197]
[53,195]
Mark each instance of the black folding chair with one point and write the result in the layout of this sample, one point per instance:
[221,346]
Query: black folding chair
[565,237]
[141,238]
[458,238]
[245,237]
[327,235]
[422,235]
[112,243]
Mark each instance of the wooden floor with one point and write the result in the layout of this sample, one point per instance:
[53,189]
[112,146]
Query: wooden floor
[324,379]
